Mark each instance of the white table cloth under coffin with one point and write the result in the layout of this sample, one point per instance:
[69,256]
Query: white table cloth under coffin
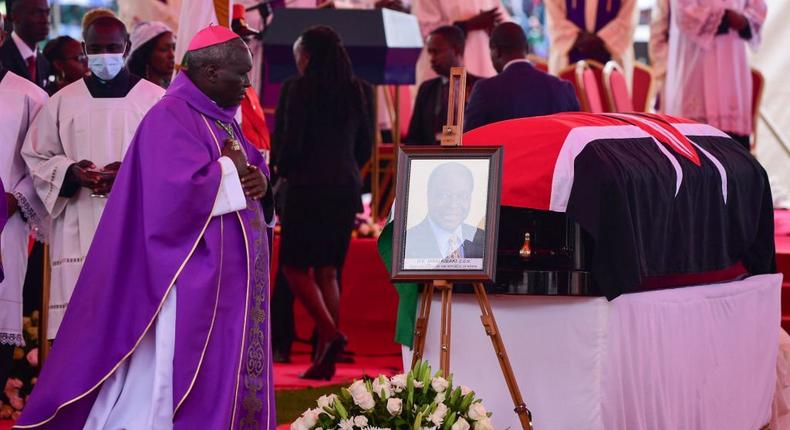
[700,357]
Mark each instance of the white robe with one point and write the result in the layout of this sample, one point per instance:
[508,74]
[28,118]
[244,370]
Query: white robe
[708,76]
[21,102]
[617,35]
[74,126]
[433,14]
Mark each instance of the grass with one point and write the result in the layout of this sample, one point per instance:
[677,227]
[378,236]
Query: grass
[291,403]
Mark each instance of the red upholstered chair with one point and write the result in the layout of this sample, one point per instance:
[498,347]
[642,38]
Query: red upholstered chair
[758,85]
[616,89]
[643,88]
[569,74]
[540,63]
[587,88]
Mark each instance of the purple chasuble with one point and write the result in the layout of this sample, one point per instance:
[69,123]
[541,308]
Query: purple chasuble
[157,232]
[574,10]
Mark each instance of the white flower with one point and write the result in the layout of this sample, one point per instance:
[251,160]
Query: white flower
[477,412]
[437,417]
[461,424]
[484,424]
[465,390]
[418,384]
[440,397]
[299,425]
[346,424]
[439,384]
[428,428]
[382,384]
[361,395]
[394,406]
[398,382]
[360,421]
[327,401]
[310,417]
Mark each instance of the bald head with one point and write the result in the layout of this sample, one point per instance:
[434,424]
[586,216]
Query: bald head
[92,14]
[221,71]
[104,24]
[508,42]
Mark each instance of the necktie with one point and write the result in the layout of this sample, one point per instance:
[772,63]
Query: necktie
[31,68]
[454,250]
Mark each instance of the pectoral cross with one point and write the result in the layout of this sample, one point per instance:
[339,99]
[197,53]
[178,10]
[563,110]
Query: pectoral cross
[234,143]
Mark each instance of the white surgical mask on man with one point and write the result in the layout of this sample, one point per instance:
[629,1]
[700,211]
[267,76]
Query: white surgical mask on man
[105,66]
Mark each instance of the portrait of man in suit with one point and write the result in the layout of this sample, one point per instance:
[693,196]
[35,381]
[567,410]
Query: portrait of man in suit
[445,239]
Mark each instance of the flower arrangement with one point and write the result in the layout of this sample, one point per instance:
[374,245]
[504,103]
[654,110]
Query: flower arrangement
[414,401]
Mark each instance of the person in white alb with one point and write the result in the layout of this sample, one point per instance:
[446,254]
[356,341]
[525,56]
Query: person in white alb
[708,77]
[74,149]
[21,102]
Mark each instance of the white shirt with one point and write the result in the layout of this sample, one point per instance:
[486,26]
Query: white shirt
[443,238]
[23,48]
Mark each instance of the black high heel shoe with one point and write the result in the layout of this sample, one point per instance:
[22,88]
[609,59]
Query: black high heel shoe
[324,367]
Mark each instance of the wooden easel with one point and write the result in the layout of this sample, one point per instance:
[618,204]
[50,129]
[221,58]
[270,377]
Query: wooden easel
[452,134]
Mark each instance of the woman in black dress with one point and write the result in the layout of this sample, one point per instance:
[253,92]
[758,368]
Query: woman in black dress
[327,133]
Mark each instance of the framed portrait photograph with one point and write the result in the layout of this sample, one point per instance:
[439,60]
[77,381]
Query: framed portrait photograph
[446,213]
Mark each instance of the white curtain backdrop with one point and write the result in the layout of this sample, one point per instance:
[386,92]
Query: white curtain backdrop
[773,60]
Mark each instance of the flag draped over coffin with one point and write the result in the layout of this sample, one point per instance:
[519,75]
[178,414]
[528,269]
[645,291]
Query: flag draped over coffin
[658,195]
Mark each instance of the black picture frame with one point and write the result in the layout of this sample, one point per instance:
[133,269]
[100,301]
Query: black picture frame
[414,257]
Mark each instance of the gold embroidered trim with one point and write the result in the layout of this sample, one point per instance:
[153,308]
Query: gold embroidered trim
[256,351]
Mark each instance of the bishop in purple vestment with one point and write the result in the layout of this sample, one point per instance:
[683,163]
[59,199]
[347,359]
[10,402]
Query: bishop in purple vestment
[168,324]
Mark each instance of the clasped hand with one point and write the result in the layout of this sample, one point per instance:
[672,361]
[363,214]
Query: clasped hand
[98,181]
[253,181]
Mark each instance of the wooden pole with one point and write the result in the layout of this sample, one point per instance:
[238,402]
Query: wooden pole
[446,328]
[43,320]
[421,325]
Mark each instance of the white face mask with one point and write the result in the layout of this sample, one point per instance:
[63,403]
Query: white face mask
[105,66]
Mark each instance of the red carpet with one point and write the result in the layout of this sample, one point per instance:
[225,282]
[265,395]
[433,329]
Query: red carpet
[286,376]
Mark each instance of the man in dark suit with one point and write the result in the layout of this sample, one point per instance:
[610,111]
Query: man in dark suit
[19,53]
[445,47]
[443,233]
[519,90]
